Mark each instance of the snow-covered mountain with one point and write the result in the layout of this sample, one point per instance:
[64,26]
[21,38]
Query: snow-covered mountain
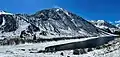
[104,25]
[3,12]
[54,22]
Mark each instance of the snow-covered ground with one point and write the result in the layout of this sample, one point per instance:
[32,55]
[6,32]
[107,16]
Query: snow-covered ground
[67,53]
[23,50]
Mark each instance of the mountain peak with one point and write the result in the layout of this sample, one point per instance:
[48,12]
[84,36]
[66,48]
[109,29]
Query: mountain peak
[101,21]
[52,12]
[4,12]
[102,24]
[57,9]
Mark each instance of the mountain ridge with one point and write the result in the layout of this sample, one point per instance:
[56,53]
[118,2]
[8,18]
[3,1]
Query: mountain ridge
[54,22]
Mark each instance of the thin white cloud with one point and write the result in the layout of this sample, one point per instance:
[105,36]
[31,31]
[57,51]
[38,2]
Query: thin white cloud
[56,6]
[110,22]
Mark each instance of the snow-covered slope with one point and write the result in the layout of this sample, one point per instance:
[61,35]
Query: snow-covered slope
[54,22]
[110,49]
[118,25]
[3,12]
[104,25]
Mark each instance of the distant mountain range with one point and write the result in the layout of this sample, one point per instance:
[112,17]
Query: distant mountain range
[49,23]
[102,24]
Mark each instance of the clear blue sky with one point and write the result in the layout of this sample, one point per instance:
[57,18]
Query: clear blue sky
[90,9]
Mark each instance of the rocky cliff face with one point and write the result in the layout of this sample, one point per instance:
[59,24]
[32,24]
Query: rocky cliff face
[47,23]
